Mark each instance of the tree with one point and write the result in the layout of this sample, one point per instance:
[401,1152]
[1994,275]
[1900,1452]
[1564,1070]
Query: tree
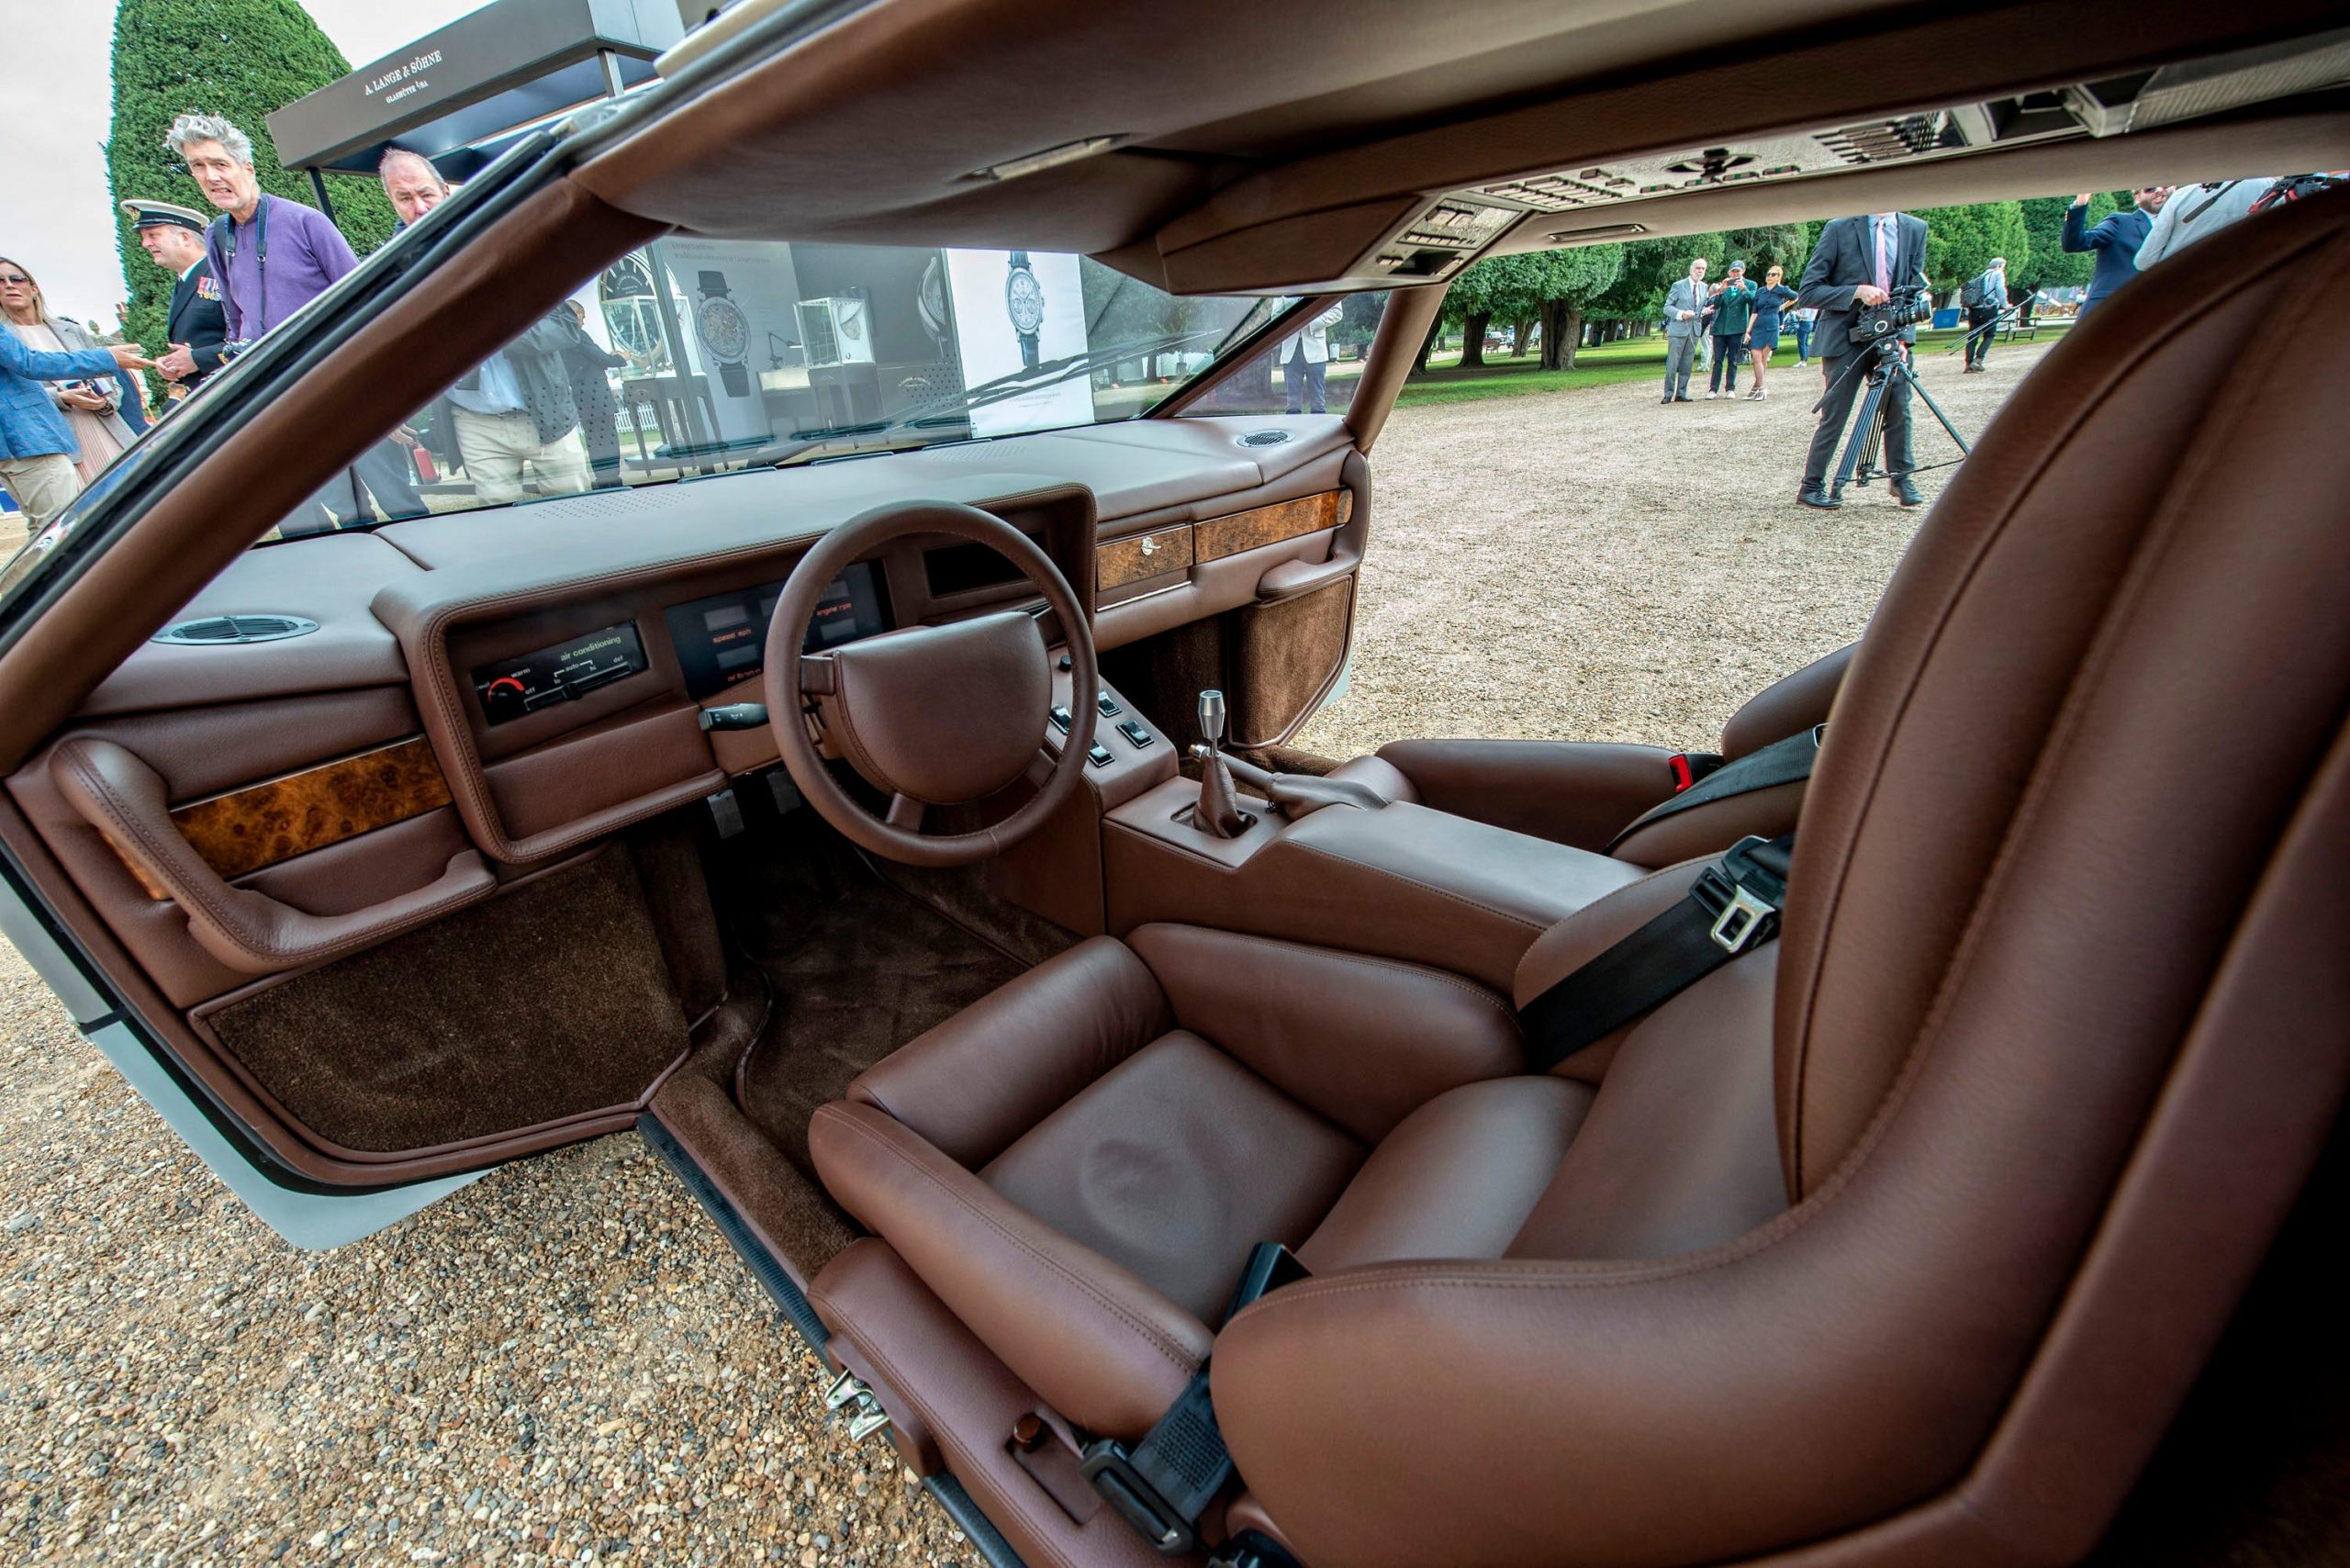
[243,59]
[1961,242]
[1647,269]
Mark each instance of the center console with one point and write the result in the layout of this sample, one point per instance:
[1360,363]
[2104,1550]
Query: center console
[1392,880]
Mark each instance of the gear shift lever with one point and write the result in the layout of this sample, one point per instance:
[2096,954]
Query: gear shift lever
[1218,813]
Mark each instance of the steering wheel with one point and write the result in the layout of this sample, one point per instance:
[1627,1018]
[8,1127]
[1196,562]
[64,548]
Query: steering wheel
[929,715]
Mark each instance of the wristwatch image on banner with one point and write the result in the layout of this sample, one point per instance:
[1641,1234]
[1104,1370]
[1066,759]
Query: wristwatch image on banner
[724,331]
[1015,310]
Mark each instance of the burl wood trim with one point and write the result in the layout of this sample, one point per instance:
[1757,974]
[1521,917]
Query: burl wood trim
[250,828]
[1222,536]
[1127,561]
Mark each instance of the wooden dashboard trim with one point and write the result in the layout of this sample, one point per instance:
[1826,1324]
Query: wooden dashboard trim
[247,829]
[1131,560]
[1217,537]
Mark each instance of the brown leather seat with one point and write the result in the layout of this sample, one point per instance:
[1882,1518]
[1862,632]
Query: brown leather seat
[1592,794]
[1898,1241]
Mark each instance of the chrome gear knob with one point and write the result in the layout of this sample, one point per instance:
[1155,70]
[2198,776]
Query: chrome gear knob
[1212,716]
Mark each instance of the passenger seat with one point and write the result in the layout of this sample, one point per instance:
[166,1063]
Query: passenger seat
[1592,795]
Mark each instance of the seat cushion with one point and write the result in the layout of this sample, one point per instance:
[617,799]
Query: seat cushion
[1174,1164]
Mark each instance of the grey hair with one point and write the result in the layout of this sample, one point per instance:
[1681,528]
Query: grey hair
[397,154]
[189,130]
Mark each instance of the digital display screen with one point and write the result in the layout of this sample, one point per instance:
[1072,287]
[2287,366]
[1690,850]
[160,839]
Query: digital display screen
[511,688]
[722,640]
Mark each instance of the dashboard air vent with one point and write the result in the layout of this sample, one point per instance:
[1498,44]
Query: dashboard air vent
[236,629]
[1264,438]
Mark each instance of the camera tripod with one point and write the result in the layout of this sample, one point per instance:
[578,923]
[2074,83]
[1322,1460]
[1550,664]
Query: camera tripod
[1858,463]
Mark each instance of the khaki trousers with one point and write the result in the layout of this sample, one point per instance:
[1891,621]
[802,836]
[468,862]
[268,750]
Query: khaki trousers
[43,488]
[495,447]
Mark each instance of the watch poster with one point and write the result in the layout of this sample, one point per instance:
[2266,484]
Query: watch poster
[735,298]
[1016,309]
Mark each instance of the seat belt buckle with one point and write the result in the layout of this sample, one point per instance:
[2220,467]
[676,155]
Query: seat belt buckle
[1744,890]
[1164,1485]
[1742,919]
[1689,767]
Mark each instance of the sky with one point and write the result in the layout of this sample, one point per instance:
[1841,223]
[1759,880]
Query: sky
[56,218]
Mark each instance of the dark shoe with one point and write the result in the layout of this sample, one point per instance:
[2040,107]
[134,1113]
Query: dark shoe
[1822,499]
[1904,491]
[1685,397]
[1666,398]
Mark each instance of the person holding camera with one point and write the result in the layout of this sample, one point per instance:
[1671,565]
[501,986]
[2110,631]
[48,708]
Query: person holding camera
[1856,263]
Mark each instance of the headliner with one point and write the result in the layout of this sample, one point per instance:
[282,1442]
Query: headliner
[1271,147]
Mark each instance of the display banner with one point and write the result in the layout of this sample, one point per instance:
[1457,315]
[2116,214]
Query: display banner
[739,295]
[1014,309]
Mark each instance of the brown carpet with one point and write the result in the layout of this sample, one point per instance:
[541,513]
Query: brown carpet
[858,969]
[549,1001]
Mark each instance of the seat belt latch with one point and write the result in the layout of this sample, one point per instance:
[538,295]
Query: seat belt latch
[1163,1487]
[1743,895]
[1740,920]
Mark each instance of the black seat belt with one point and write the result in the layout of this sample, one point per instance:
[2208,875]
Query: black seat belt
[1782,762]
[1165,1482]
[1732,908]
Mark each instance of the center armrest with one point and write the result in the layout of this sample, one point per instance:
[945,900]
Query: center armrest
[1402,882]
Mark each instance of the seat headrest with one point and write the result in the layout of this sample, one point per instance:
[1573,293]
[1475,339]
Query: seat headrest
[2092,694]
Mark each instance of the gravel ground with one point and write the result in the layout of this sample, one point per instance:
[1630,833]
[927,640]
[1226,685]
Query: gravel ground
[565,1362]
[1591,565]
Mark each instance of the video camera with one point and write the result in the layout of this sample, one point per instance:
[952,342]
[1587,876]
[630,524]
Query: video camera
[1903,308]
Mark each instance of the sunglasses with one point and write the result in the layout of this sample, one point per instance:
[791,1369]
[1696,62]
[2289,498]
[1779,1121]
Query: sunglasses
[7,279]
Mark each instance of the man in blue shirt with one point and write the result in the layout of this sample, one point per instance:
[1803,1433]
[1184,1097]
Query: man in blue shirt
[37,449]
[2115,241]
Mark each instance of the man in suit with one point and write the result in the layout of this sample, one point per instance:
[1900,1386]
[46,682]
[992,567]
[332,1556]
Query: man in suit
[1857,261]
[1684,323]
[196,326]
[2115,242]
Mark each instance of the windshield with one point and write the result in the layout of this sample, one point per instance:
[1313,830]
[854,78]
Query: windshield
[698,356]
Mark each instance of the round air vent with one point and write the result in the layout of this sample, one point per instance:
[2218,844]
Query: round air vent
[236,629]
[1264,438]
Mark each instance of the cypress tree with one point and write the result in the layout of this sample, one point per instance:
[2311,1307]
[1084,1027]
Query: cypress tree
[240,59]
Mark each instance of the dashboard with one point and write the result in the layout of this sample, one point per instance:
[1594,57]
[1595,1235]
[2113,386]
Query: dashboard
[719,642]
[558,661]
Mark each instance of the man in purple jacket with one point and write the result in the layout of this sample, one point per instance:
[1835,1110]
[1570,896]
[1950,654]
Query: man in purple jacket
[273,256]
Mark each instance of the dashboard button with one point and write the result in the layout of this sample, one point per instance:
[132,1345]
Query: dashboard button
[1100,756]
[1132,729]
[1108,704]
[1062,718]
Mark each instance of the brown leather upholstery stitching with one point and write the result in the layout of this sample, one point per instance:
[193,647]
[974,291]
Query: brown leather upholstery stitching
[1172,1351]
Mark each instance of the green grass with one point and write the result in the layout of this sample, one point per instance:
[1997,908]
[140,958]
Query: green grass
[1610,365]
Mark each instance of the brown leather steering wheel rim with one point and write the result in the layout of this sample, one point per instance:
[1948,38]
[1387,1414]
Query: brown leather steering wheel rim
[788,632]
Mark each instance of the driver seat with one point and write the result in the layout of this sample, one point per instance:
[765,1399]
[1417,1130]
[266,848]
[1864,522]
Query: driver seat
[1897,1241]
